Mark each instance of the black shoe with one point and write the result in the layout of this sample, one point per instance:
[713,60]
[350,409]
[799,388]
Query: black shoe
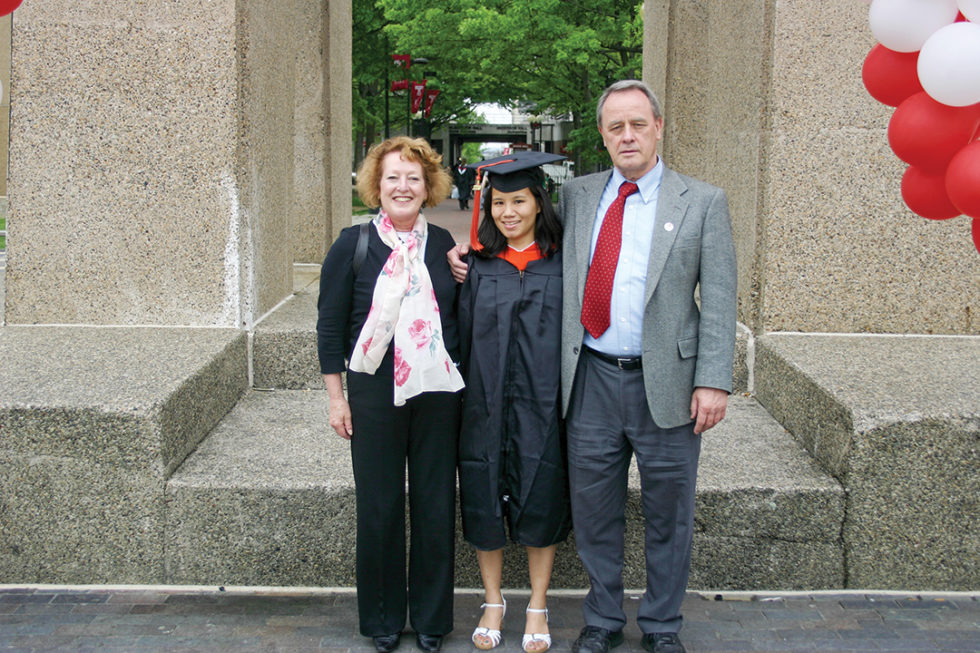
[663,643]
[593,639]
[429,643]
[386,643]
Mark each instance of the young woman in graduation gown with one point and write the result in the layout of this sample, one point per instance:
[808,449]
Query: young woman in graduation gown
[512,470]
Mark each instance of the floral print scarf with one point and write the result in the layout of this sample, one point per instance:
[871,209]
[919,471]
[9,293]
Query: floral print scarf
[404,308]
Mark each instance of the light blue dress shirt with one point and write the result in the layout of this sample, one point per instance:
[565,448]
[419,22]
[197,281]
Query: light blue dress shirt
[623,337]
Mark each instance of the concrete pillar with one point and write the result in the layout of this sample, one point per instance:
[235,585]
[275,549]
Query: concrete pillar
[765,99]
[155,154]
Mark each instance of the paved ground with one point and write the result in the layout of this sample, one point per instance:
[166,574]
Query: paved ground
[447,215]
[172,619]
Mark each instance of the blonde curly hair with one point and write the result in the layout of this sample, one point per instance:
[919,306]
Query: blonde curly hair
[438,183]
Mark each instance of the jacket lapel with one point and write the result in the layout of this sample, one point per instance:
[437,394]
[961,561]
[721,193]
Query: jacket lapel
[587,204]
[671,209]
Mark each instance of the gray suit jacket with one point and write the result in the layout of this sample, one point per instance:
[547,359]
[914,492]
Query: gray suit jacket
[683,347]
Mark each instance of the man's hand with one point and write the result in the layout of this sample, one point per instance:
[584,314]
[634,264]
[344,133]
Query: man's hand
[708,407]
[456,263]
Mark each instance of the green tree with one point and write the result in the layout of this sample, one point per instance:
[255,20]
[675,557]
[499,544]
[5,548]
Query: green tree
[373,71]
[549,56]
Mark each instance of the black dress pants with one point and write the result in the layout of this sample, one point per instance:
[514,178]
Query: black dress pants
[424,432]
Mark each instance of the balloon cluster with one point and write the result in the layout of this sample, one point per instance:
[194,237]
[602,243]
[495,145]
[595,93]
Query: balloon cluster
[927,65]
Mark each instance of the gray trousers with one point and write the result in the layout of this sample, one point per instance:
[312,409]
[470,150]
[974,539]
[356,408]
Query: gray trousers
[609,421]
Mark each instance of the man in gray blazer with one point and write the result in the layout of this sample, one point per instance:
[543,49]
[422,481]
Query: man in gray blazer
[652,371]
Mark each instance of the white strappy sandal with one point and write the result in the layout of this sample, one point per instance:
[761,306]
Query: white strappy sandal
[536,637]
[493,635]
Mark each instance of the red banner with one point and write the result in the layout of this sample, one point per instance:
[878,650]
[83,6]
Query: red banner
[402,60]
[399,85]
[430,98]
[418,92]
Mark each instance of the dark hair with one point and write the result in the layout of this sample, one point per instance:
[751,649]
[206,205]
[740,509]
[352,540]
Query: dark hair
[547,228]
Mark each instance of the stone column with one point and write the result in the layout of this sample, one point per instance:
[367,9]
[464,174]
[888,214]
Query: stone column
[153,157]
[765,99]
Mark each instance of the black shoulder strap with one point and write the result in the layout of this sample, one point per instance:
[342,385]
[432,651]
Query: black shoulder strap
[360,252]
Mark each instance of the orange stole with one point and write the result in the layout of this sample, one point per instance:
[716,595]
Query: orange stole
[520,259]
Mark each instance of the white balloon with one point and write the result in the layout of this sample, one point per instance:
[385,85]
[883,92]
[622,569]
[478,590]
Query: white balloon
[904,25]
[970,9]
[949,65]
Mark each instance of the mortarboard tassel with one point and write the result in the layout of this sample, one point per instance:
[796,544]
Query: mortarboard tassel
[477,188]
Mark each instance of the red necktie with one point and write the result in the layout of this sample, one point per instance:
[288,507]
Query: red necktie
[602,271]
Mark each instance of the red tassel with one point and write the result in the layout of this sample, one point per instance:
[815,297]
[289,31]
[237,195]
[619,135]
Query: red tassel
[475,244]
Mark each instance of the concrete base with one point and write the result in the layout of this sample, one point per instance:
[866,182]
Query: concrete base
[268,499]
[897,421]
[92,422]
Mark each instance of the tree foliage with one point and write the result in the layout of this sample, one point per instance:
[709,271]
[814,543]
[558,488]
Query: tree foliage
[548,56]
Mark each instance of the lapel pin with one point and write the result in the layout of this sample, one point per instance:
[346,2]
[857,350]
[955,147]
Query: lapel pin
[669,226]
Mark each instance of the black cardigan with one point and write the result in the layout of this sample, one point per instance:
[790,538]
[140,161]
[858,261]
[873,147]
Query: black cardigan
[344,301]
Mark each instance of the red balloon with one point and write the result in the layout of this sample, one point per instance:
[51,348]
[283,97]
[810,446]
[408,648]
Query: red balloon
[963,180]
[976,233]
[926,134]
[925,193]
[890,76]
[6,6]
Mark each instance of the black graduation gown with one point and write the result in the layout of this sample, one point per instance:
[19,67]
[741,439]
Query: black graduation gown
[512,462]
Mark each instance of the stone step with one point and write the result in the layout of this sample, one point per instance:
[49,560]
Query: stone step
[897,420]
[268,499]
[93,420]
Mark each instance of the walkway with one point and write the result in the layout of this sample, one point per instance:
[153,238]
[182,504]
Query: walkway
[146,619]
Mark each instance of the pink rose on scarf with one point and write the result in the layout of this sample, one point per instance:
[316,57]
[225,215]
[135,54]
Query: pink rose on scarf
[402,369]
[390,264]
[366,345]
[420,331]
[384,225]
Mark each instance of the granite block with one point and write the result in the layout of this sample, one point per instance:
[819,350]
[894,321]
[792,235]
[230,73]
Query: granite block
[284,354]
[896,420]
[747,563]
[268,498]
[137,397]
[122,167]
[70,520]
[92,421]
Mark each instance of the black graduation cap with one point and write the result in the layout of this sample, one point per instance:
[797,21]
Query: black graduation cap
[515,171]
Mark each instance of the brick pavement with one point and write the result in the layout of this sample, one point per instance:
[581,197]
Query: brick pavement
[107,619]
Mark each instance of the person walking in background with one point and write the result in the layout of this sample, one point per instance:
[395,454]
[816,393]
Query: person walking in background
[463,177]
[387,305]
[512,471]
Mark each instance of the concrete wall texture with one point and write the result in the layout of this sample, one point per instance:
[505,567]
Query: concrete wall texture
[765,99]
[169,162]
